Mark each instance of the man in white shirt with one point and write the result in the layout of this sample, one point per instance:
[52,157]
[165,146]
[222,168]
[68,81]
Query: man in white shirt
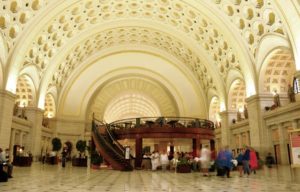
[164,160]
[155,160]
[205,160]
[5,161]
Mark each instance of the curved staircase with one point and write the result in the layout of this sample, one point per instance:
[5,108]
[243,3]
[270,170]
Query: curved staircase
[111,150]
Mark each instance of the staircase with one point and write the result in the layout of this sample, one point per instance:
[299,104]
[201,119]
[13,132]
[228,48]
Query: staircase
[111,150]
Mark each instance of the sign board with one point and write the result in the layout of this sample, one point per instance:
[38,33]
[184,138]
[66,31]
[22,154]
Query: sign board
[295,147]
[127,152]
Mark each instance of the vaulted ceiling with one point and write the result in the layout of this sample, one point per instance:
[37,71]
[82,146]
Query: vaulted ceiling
[165,57]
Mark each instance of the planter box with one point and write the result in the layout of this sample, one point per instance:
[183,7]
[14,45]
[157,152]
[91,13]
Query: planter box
[183,169]
[79,162]
[52,160]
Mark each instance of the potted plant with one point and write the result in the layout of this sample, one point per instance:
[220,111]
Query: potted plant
[96,159]
[56,146]
[81,147]
[183,166]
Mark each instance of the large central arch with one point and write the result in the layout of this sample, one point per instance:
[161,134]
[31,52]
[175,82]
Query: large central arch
[147,96]
[81,87]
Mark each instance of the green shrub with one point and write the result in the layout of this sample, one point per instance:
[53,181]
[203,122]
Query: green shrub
[56,144]
[81,146]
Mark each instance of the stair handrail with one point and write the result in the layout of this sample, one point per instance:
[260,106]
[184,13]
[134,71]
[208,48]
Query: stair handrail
[106,143]
[109,147]
[112,138]
[115,141]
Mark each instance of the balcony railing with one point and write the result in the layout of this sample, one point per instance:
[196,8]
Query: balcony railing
[154,122]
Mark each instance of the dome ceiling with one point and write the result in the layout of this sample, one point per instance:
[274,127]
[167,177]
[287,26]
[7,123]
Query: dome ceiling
[178,16]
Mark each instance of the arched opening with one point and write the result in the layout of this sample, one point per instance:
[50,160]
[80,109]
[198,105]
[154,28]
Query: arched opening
[278,72]
[25,92]
[50,107]
[131,105]
[214,110]
[237,95]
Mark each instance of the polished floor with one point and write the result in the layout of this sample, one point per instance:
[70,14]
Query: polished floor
[53,178]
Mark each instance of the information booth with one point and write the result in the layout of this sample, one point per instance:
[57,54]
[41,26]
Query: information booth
[295,147]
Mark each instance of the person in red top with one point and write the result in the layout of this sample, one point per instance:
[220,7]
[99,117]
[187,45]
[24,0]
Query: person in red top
[253,160]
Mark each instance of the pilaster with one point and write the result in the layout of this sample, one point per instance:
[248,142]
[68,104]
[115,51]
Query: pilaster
[283,144]
[7,100]
[295,124]
[21,138]
[35,115]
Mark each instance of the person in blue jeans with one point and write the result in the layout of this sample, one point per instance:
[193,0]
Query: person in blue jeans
[246,159]
[239,159]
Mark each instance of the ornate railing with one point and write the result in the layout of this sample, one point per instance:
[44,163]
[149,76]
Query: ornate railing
[150,122]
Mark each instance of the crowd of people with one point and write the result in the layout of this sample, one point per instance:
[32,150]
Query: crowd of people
[246,161]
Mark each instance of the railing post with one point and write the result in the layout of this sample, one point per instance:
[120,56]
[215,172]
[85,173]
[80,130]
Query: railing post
[137,122]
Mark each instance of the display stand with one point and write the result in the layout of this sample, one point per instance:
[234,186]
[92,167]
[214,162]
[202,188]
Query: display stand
[295,147]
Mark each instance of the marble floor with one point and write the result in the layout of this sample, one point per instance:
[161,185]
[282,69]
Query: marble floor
[54,178]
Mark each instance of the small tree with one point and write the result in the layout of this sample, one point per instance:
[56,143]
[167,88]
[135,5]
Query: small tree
[56,144]
[81,146]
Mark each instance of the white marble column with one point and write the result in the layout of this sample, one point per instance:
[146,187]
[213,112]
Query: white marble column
[226,120]
[35,115]
[225,132]
[7,100]
[256,105]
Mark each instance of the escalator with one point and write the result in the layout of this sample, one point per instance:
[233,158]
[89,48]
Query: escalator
[111,150]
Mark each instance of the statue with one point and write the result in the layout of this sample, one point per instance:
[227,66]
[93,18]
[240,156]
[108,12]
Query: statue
[245,112]
[16,109]
[23,115]
[239,116]
[276,99]
[291,94]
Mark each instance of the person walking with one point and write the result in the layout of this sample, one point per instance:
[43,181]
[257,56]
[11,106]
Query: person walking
[239,159]
[64,157]
[246,159]
[205,160]
[253,162]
